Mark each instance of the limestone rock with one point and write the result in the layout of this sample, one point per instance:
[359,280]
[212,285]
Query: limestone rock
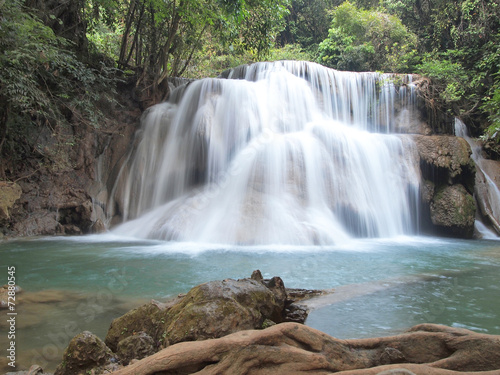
[291,348]
[135,347]
[9,194]
[296,313]
[84,352]
[446,158]
[147,318]
[453,211]
[209,310]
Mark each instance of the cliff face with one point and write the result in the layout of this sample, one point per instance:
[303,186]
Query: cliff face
[70,199]
[74,200]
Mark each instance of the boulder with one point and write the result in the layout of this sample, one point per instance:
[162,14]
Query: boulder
[85,352]
[453,211]
[448,173]
[445,159]
[291,348]
[209,310]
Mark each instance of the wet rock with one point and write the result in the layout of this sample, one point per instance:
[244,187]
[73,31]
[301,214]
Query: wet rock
[449,178]
[298,294]
[296,313]
[135,347]
[85,352]
[257,275]
[453,211]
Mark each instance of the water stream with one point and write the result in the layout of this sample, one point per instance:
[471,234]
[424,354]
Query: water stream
[490,192]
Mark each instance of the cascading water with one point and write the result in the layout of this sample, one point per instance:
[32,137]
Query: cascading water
[490,199]
[274,153]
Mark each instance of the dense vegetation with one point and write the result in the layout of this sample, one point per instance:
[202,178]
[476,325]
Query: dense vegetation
[60,60]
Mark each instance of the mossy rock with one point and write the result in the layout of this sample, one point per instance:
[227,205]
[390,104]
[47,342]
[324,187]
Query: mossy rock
[445,158]
[85,352]
[147,318]
[453,211]
[136,346]
[218,308]
[209,310]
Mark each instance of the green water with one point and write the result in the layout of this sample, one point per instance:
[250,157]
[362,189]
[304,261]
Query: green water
[76,284]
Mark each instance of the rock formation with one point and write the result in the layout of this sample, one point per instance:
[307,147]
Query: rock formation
[448,173]
[85,351]
[209,310]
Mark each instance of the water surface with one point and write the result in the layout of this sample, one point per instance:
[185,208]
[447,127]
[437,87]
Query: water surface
[383,286]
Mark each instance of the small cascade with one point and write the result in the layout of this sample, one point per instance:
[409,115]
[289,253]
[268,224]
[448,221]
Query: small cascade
[487,192]
[274,153]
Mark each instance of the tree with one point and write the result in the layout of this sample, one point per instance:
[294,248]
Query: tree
[42,82]
[307,23]
[459,41]
[160,37]
[362,40]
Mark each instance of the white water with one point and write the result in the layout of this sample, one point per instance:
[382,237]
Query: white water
[281,153]
[492,191]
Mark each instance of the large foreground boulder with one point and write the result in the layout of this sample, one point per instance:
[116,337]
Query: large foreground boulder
[291,348]
[209,310]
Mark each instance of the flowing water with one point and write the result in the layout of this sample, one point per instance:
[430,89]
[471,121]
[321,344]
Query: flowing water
[297,170]
[279,153]
[491,191]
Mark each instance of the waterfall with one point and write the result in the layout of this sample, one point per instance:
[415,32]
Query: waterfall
[275,153]
[489,195]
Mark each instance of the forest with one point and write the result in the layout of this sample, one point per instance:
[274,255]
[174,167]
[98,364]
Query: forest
[62,60]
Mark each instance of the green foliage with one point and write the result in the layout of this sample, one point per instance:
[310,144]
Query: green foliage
[362,40]
[460,40]
[42,83]
[307,23]
[492,107]
[164,38]
[450,79]
[290,52]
